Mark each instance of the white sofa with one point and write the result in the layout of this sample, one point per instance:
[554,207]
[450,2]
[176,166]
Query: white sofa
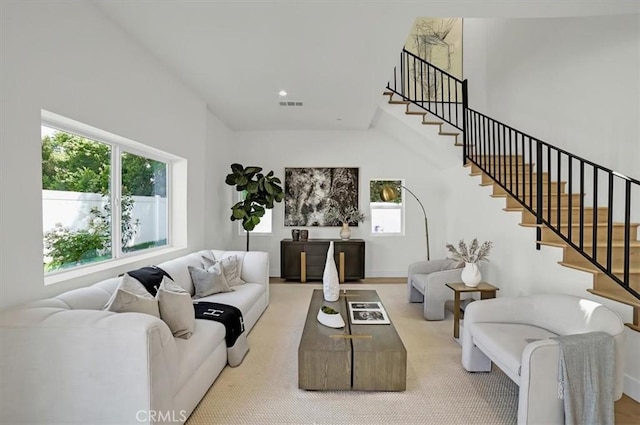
[426,284]
[514,333]
[64,360]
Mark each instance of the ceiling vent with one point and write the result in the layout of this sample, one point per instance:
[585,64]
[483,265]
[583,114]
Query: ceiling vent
[289,103]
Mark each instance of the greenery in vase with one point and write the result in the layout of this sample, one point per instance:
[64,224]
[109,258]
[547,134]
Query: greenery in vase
[472,254]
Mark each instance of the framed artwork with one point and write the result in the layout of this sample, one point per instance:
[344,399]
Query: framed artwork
[308,192]
[439,42]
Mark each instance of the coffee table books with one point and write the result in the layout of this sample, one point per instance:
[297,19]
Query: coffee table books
[368,313]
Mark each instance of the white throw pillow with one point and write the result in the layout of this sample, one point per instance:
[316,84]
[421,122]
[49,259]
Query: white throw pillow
[208,282]
[132,297]
[176,309]
[231,271]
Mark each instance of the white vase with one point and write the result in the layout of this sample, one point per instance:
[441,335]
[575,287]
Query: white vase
[345,232]
[471,275]
[330,280]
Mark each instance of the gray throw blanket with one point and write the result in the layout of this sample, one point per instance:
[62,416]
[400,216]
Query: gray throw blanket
[586,374]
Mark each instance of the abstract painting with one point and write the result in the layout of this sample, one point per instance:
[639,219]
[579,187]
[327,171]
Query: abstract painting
[308,192]
[439,42]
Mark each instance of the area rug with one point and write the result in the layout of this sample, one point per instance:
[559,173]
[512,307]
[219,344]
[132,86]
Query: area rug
[264,389]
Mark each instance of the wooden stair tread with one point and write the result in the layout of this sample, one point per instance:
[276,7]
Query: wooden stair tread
[432,122]
[619,297]
[387,93]
[448,134]
[594,270]
[399,102]
[416,113]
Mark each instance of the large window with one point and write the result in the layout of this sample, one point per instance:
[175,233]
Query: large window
[101,199]
[386,215]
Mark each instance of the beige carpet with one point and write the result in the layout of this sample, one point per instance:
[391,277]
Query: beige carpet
[264,389]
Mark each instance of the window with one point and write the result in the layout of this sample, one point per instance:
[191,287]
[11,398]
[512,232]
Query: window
[102,199]
[266,223]
[386,215]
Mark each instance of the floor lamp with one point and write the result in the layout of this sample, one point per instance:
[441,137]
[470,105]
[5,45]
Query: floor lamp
[388,193]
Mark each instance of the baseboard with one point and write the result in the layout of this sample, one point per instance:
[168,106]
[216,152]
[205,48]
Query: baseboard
[632,387]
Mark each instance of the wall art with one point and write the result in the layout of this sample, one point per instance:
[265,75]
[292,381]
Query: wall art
[308,192]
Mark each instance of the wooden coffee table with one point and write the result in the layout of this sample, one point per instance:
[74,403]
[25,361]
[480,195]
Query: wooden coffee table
[356,357]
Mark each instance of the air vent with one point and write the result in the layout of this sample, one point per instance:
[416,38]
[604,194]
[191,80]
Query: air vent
[290,103]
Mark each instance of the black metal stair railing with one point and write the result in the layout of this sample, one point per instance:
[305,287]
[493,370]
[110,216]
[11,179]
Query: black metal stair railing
[515,160]
[429,88]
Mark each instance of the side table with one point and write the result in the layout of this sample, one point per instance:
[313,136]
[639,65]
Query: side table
[486,291]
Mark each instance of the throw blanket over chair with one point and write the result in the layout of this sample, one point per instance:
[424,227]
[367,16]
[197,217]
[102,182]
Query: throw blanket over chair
[523,337]
[426,283]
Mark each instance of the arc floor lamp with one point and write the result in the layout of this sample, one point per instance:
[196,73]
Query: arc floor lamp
[389,193]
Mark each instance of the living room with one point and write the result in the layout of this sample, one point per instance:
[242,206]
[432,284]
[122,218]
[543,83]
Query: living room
[539,68]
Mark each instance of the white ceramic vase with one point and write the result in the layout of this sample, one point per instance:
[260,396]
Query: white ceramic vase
[330,280]
[471,275]
[345,232]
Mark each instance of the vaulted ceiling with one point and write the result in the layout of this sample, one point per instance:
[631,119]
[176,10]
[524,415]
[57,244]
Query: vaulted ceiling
[334,56]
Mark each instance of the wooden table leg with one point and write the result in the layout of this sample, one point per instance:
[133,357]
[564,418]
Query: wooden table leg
[456,314]
[341,272]
[303,267]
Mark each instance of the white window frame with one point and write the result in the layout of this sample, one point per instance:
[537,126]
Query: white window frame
[118,145]
[401,207]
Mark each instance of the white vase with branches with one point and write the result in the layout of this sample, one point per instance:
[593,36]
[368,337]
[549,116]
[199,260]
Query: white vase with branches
[470,256]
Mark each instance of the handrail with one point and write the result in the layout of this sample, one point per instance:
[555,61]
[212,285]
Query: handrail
[514,159]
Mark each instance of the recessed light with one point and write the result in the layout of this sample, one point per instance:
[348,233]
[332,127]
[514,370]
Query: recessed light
[282,93]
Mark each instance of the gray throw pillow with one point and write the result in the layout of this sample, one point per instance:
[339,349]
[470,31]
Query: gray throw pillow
[208,282]
[176,309]
[231,271]
[132,297]
[450,264]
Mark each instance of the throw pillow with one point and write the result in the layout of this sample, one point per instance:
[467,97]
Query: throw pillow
[207,262]
[176,309]
[449,264]
[232,271]
[132,297]
[208,282]
[150,277]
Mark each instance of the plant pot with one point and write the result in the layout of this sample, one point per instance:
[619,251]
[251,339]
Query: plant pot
[345,232]
[471,275]
[331,320]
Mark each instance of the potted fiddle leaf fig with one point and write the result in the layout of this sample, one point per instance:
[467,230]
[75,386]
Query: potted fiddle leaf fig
[260,192]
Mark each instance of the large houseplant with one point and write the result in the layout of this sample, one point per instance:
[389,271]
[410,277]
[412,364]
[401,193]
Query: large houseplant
[260,192]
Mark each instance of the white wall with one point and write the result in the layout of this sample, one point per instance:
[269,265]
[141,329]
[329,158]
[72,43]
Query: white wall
[378,155]
[573,82]
[67,58]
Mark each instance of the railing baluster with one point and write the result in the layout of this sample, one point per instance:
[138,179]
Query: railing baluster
[539,192]
[415,81]
[627,233]
[549,184]
[594,238]
[570,193]
[609,227]
[581,205]
[559,197]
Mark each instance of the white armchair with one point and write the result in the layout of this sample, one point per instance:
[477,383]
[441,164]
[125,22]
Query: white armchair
[426,284]
[514,333]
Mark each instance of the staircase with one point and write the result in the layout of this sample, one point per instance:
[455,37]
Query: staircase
[559,194]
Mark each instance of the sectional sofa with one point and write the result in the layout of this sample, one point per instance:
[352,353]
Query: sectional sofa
[65,360]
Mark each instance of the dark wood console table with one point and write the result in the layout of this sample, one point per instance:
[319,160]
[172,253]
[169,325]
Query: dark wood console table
[305,260]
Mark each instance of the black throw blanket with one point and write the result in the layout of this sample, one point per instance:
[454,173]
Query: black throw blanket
[228,315]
